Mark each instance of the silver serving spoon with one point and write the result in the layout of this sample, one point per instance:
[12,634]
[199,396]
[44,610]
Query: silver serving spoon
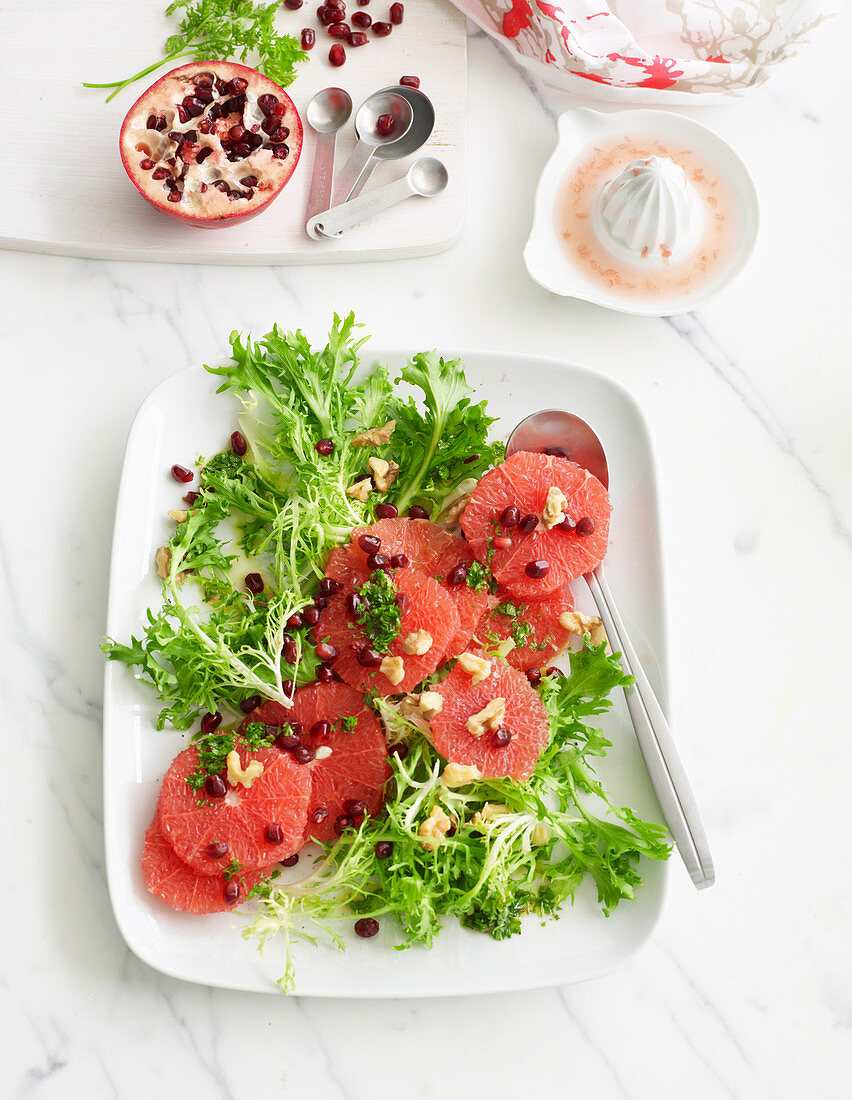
[426,177]
[369,138]
[557,431]
[327,112]
[422,124]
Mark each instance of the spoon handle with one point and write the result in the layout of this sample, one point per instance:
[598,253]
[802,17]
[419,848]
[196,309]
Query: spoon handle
[351,171]
[319,198]
[668,776]
[362,179]
[330,222]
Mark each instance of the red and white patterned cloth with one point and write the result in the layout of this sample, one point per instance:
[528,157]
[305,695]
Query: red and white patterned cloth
[650,51]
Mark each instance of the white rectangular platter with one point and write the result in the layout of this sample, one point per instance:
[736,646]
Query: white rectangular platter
[182,419]
[71,196]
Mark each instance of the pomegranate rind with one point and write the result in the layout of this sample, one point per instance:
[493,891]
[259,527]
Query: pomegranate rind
[172,881]
[429,608]
[212,208]
[524,480]
[357,767]
[190,820]
[547,637]
[525,718]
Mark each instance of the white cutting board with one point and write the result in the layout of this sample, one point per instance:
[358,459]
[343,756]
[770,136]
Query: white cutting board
[65,190]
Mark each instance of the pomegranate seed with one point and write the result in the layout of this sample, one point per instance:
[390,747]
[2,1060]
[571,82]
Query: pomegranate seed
[290,653]
[381,30]
[267,102]
[355,807]
[416,511]
[281,152]
[383,849]
[183,114]
[293,5]
[385,124]
[311,616]
[238,444]
[534,676]
[387,511]
[205,126]
[211,722]
[539,568]
[216,849]
[325,674]
[295,622]
[399,749]
[215,786]
[203,154]
[366,928]
[568,524]
[552,670]
[174,196]
[369,543]
[410,81]
[328,586]
[402,601]
[204,80]
[325,447]
[367,657]
[339,30]
[500,738]
[303,754]
[321,729]
[399,561]
[249,181]
[322,602]
[397,11]
[238,85]
[457,575]
[510,517]
[146,165]
[254,583]
[237,132]
[250,704]
[181,474]
[194,106]
[337,55]
[152,122]
[288,686]
[221,86]
[528,523]
[560,452]
[378,561]
[231,892]
[360,19]
[354,604]
[358,38]
[470,458]
[363,3]
[191,497]
[342,823]
[585,526]
[287,742]
[160,174]
[326,651]
[339,5]
[322,15]
[274,833]
[319,815]
[291,861]
[308,38]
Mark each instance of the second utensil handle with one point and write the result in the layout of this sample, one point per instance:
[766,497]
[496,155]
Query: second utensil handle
[668,775]
[322,180]
[330,222]
[351,171]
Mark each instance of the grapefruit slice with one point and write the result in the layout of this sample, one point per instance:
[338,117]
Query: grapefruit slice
[427,608]
[532,624]
[191,821]
[525,719]
[524,481]
[436,553]
[169,878]
[357,768]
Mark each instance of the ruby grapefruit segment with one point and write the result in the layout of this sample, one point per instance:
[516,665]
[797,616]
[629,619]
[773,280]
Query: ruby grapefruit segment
[533,624]
[524,480]
[524,717]
[191,821]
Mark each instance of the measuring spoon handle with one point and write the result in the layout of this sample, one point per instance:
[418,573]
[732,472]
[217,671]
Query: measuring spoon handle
[351,171]
[319,198]
[331,222]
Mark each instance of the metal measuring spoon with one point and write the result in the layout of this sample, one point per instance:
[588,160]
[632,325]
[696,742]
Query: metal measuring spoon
[369,139]
[418,134]
[555,431]
[426,177]
[327,112]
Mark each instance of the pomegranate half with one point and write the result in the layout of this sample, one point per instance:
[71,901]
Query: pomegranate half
[211,143]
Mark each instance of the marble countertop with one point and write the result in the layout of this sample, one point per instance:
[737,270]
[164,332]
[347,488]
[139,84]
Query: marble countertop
[746,990]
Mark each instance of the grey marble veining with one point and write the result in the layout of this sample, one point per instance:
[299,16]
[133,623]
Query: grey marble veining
[746,990]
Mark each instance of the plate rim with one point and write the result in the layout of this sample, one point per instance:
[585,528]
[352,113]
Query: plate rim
[384,353]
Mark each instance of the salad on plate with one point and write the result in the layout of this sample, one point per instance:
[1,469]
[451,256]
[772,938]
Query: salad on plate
[363,601]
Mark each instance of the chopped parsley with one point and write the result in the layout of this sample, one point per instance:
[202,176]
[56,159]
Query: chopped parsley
[233,869]
[257,736]
[381,616]
[348,723]
[479,578]
[520,630]
[213,749]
